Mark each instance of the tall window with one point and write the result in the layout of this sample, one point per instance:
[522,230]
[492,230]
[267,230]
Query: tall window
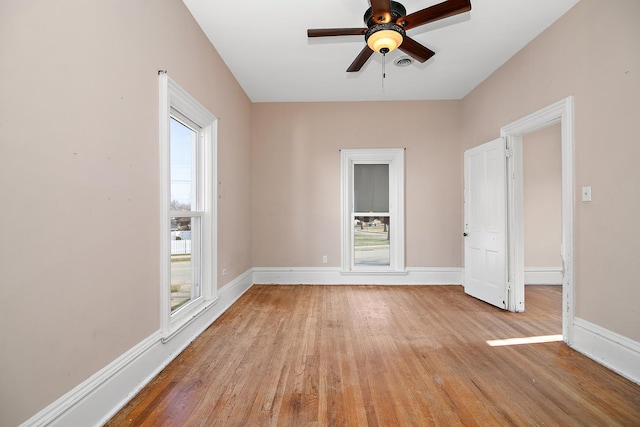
[186,210]
[188,259]
[373,210]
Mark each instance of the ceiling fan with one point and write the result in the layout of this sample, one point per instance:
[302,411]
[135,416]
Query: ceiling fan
[387,22]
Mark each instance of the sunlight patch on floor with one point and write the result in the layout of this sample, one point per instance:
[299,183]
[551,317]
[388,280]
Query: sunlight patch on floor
[528,340]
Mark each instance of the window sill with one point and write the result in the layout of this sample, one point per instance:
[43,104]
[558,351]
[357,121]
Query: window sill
[185,319]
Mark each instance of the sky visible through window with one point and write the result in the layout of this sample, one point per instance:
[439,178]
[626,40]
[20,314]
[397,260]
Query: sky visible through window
[182,140]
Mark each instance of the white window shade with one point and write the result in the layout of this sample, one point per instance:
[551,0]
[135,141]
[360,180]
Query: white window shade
[371,187]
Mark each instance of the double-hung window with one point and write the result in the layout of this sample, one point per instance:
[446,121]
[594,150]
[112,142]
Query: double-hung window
[372,210]
[187,234]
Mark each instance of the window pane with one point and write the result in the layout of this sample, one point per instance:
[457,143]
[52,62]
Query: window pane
[371,240]
[182,167]
[185,282]
[371,187]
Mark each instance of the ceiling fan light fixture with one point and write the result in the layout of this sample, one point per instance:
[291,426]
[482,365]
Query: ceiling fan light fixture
[384,38]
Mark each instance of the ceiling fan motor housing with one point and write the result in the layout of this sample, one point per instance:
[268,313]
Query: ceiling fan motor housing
[396,11]
[390,34]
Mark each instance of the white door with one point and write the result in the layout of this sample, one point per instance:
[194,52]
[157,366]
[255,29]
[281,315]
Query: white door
[485,244]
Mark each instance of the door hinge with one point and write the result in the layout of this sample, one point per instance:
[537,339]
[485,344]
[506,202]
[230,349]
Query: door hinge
[508,150]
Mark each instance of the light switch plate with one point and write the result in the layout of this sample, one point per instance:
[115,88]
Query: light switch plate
[586,194]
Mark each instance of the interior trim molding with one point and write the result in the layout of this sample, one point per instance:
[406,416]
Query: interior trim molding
[96,400]
[561,111]
[335,276]
[543,275]
[615,351]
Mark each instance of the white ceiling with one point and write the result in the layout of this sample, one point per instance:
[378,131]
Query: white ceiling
[265,44]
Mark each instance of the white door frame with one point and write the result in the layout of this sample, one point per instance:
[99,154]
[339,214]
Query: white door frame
[562,112]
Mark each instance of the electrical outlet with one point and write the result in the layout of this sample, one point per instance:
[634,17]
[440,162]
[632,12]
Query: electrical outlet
[224,272]
[324,259]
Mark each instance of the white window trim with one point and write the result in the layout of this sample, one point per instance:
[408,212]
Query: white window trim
[394,157]
[172,96]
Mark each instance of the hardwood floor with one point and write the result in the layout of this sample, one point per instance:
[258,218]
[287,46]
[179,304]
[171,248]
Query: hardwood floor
[382,356]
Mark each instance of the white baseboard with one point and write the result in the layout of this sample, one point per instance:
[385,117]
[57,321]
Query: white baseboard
[335,276]
[96,400]
[616,352]
[543,275]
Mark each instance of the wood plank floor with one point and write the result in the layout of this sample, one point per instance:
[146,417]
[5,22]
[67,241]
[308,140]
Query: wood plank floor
[382,356]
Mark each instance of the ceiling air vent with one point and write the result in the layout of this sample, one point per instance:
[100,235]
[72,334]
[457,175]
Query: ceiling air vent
[403,61]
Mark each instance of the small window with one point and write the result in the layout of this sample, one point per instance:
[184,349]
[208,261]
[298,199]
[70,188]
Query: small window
[372,210]
[188,237]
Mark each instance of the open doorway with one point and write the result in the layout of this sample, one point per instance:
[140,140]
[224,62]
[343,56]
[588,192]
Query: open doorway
[542,209]
[560,113]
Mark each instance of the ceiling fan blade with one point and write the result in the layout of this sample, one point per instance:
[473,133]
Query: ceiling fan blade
[360,60]
[415,49]
[380,10]
[326,32]
[434,13]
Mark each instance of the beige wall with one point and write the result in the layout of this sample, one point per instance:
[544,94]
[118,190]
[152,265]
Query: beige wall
[591,53]
[79,182]
[296,177]
[542,191]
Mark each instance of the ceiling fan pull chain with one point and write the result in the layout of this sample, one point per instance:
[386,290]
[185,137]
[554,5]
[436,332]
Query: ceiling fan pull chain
[384,56]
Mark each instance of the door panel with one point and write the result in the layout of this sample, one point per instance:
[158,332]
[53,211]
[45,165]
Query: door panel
[485,272]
